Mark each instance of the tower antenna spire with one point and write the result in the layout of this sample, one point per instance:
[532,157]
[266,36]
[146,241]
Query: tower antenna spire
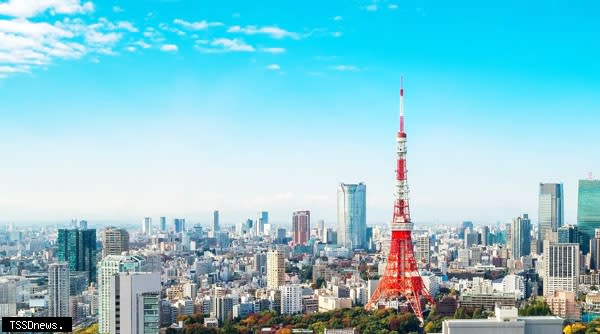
[401,104]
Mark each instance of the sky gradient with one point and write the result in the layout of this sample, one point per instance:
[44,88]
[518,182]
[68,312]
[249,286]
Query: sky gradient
[116,110]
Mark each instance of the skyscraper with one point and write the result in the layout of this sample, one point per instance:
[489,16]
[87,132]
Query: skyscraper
[163,224]
[352,218]
[114,241]
[561,267]
[551,210]
[291,299]
[108,267]
[568,234]
[261,220]
[422,250]
[521,236]
[179,225]
[588,211]
[301,227]
[275,269]
[78,249]
[134,302]
[595,250]
[58,290]
[215,223]
[147,226]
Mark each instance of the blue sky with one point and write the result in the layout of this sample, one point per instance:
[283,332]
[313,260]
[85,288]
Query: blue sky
[116,110]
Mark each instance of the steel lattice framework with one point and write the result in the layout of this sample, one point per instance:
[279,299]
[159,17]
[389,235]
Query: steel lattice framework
[401,278]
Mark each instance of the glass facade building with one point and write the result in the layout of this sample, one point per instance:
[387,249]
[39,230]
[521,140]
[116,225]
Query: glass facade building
[588,211]
[352,216]
[78,249]
[551,210]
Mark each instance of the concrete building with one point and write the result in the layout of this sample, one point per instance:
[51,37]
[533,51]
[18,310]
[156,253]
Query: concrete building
[561,267]
[58,290]
[115,241]
[147,226]
[301,227]
[291,299]
[352,215]
[520,236]
[506,321]
[595,250]
[564,305]
[135,303]
[275,269]
[216,225]
[422,250]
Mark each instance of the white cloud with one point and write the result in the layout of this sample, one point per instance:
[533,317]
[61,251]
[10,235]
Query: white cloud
[371,7]
[393,6]
[14,69]
[200,25]
[273,31]
[142,44]
[345,68]
[131,48]
[337,34]
[227,45]
[117,9]
[273,50]
[30,8]
[274,67]
[337,18]
[169,48]
[127,26]
[96,37]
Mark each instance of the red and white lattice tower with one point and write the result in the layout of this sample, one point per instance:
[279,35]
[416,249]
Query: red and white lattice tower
[401,278]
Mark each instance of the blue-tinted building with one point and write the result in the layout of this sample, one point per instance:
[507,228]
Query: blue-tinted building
[588,212]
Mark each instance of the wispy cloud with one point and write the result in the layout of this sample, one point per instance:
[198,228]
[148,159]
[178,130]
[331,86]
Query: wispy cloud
[393,6]
[117,9]
[142,44]
[221,45]
[131,49]
[127,26]
[337,18]
[272,31]
[274,67]
[273,50]
[30,8]
[200,25]
[372,7]
[337,34]
[169,48]
[345,68]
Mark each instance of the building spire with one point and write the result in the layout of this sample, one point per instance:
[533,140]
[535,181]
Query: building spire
[401,104]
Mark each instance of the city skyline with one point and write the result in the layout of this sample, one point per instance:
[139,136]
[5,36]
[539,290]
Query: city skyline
[177,131]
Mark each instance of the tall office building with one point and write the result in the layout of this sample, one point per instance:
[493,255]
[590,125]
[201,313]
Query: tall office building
[163,224]
[352,218]
[147,226]
[262,219]
[179,225]
[551,210]
[301,227]
[521,236]
[484,232]
[568,234]
[422,250]
[464,226]
[134,303]
[291,299]
[108,267]
[260,263]
[215,223]
[223,308]
[275,269]
[588,211]
[78,249]
[114,241]
[595,250]
[471,237]
[58,290]
[561,267]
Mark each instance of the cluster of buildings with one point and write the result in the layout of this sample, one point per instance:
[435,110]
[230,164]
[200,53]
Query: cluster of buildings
[140,280]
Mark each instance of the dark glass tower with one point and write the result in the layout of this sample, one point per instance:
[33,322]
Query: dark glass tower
[78,249]
[588,212]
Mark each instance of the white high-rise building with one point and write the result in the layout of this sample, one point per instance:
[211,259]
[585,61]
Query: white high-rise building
[422,249]
[514,284]
[108,267]
[291,299]
[551,210]
[135,298]
[561,267]
[275,269]
[58,290]
[147,226]
[352,215]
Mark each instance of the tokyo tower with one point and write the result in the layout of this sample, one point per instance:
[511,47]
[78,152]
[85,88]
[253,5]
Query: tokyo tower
[401,278]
